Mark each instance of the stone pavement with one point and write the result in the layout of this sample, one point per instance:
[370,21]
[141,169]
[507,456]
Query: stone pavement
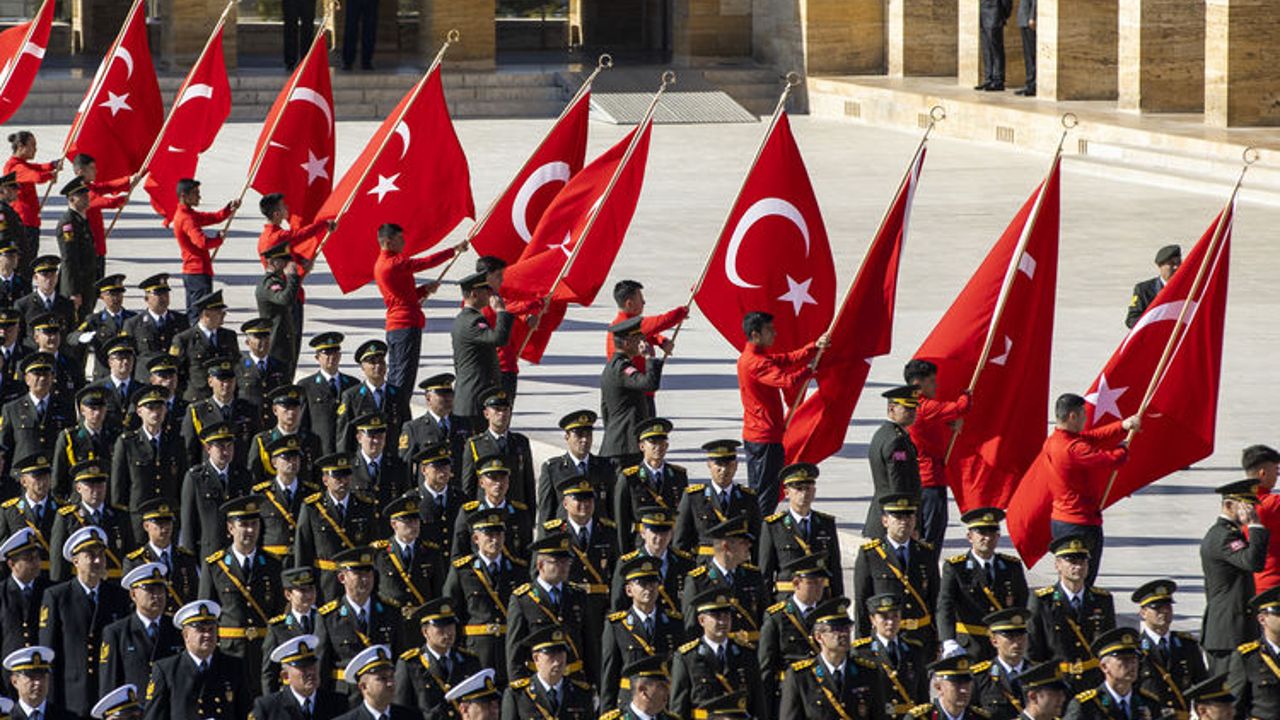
[1110,231]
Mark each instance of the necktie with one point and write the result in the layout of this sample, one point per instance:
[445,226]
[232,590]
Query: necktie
[151,630]
[337,387]
[40,408]
[804,528]
[893,653]
[124,392]
[373,469]
[406,555]
[555,597]
[444,426]
[582,538]
[27,592]
[1124,707]
[35,715]
[48,304]
[440,505]
[991,573]
[720,658]
[226,412]
[201,667]
[95,517]
[445,666]
[648,626]
[1075,605]
[306,708]
[1164,651]
[502,445]
[305,622]
[213,341]
[553,697]
[902,556]
[377,398]
[491,569]
[363,621]
[155,446]
[288,497]
[262,367]
[93,598]
[838,677]
[342,513]
[39,508]
[164,558]
[246,567]
[582,468]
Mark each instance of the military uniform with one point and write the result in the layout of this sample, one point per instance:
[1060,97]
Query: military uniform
[625,403]
[79,261]
[322,398]
[697,676]
[561,468]
[531,608]
[324,530]
[20,613]
[809,691]
[17,513]
[969,592]
[785,637]
[995,692]
[128,653]
[903,675]
[700,509]
[243,418]
[72,627]
[112,519]
[143,470]
[438,521]
[193,350]
[784,539]
[481,602]
[515,450]
[673,569]
[282,628]
[747,596]
[878,570]
[101,327]
[342,637]
[24,431]
[1254,680]
[278,296]
[283,705]
[280,514]
[32,306]
[1228,560]
[424,431]
[1098,704]
[248,601]
[260,460]
[177,691]
[15,286]
[593,559]
[475,357]
[894,469]
[423,677]
[203,528]
[360,400]
[1058,632]
[254,380]
[153,337]
[518,521]
[627,640]
[383,483]
[639,486]
[1143,293]
[184,572]
[527,699]
[75,445]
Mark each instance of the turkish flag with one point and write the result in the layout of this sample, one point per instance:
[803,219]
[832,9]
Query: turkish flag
[1178,424]
[1005,427]
[122,111]
[418,180]
[773,255]
[22,47]
[194,121]
[298,140]
[509,226]
[564,226]
[863,329]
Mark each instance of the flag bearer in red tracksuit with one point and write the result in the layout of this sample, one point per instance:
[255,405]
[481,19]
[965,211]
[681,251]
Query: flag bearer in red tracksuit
[105,195]
[1082,461]
[762,377]
[197,266]
[629,296]
[936,421]
[393,271]
[1262,463]
[302,242]
[29,175]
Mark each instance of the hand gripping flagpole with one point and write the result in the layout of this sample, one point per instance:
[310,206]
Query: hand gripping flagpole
[450,38]
[271,131]
[604,62]
[155,146]
[792,80]
[1069,122]
[668,79]
[1249,157]
[937,113]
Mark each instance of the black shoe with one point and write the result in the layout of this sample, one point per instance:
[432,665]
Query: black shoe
[366,66]
[983,86]
[994,88]
[1030,92]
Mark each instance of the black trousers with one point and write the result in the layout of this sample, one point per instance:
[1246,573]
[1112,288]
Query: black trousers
[361,29]
[993,53]
[299,27]
[764,462]
[1029,55]
[933,514]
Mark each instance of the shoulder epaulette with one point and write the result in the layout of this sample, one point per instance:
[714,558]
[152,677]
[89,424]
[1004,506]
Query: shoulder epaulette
[410,654]
[606,522]
[689,646]
[119,506]
[11,501]
[957,559]
[977,712]
[912,641]
[616,616]
[262,486]
[921,710]
[470,505]
[776,516]
[749,566]
[925,544]
[695,488]
[329,607]
[980,667]
[553,524]
[379,544]
[518,505]
[776,607]
[520,684]
[683,554]
[674,466]
[631,555]
[313,498]
[308,485]
[802,664]
[612,715]
[522,590]
[871,545]
[1185,636]
[747,490]
[518,562]
[1248,647]
[1148,694]
[698,571]
[862,641]
[675,615]
[364,497]
[182,551]
[136,553]
[868,664]
[66,509]
[1099,591]
[1046,590]
[581,685]
[631,470]
[1087,695]
[465,651]
[1010,558]
[278,619]
[215,557]
[462,561]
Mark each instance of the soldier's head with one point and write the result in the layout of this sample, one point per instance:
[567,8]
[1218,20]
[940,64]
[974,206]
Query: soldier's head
[731,542]
[832,628]
[257,336]
[642,578]
[435,465]
[120,358]
[148,587]
[800,483]
[438,391]
[45,274]
[549,649]
[650,694]
[494,479]
[657,526]
[1168,260]
[952,683]
[1155,604]
[221,373]
[219,444]
[299,589]
[22,553]
[29,673]
[48,337]
[757,327]
[476,290]
[1069,412]
[372,357]
[212,310]
[9,190]
[1009,633]
[488,532]
[8,251]
[34,476]
[355,573]
[155,293]
[286,406]
[299,664]
[199,624]
[85,166]
[328,347]
[578,498]
[921,375]
[902,403]
[722,461]
[1071,559]
[578,427]
[151,407]
[91,488]
[162,372]
[406,523]
[111,292]
[1117,653]
[287,463]
[983,530]
[628,338]
[654,440]
[1266,605]
[809,577]
[553,558]
[86,550]
[1212,699]
[628,295]
[157,522]
[77,199]
[715,613]
[274,208]
[477,697]
[391,237]
[244,522]
[378,687]
[438,624]
[1261,462]
[885,611]
[497,411]
[898,515]
[371,434]
[1044,690]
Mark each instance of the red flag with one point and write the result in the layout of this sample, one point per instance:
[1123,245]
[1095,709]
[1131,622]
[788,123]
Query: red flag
[299,141]
[194,121]
[122,112]
[564,226]
[863,329]
[787,266]
[510,223]
[22,47]
[1003,431]
[418,180]
[1178,425]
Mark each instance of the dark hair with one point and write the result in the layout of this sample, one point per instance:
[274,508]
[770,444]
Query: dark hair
[1067,403]
[270,203]
[918,370]
[1255,455]
[388,231]
[82,161]
[20,138]
[623,291]
[488,263]
[754,322]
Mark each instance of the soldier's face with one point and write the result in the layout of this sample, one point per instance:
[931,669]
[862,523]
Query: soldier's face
[1072,567]
[407,528]
[1011,646]
[212,318]
[1270,625]
[630,344]
[375,369]
[159,531]
[304,678]
[801,495]
[224,388]
[36,484]
[32,686]
[92,493]
[1049,702]
[495,486]
[149,599]
[486,709]
[46,281]
[48,340]
[722,470]
[716,624]
[8,260]
[554,569]
[1168,269]
[372,442]
[834,638]
[1120,669]
[357,582]
[121,364]
[580,507]
[654,449]
[440,637]
[166,379]
[338,485]
[887,624]
[901,414]
[656,539]
[499,418]
[301,599]
[984,540]
[899,525]
[578,441]
[200,638]
[437,474]
[440,402]
[288,415]
[25,565]
[78,201]
[152,413]
[489,541]
[221,451]
[329,360]
[39,382]
[954,692]
[652,694]
[90,564]
[158,300]
[288,464]
[1157,616]
[1215,711]
[258,343]
[809,588]
[113,300]
[550,664]
[643,592]
[244,532]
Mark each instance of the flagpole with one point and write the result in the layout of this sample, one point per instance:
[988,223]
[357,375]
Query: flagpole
[936,113]
[261,155]
[668,79]
[155,146]
[1250,156]
[1069,122]
[451,37]
[792,80]
[31,29]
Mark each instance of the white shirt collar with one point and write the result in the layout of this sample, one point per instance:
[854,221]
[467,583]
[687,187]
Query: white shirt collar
[796,516]
[896,545]
[1126,698]
[368,460]
[543,584]
[654,469]
[301,699]
[358,608]
[197,660]
[327,377]
[714,645]
[87,590]
[720,567]
[160,551]
[575,459]
[1009,669]
[35,400]
[377,713]
[1155,637]
[147,621]
[548,688]
[576,527]
[240,558]
[495,435]
[28,710]
[1070,595]
[340,503]
[291,487]
[638,714]
[834,669]
[375,388]
[641,614]
[255,358]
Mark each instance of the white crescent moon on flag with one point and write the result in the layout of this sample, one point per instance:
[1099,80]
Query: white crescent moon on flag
[757,212]
[123,53]
[1160,313]
[403,131]
[551,172]
[199,90]
[306,94]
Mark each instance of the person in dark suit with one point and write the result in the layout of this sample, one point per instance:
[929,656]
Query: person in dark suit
[12,350]
[208,485]
[372,672]
[286,405]
[373,395]
[21,592]
[439,500]
[644,630]
[323,390]
[785,631]
[1118,695]
[378,474]
[101,328]
[1169,661]
[892,455]
[133,644]
[182,567]
[424,674]
[33,509]
[93,437]
[282,497]
[798,531]
[29,424]
[299,618]
[902,565]
[147,463]
[577,461]
[995,681]
[594,547]
[437,424]
[202,682]
[1168,260]
[550,600]
[656,525]
[279,298]
[68,364]
[477,583]
[624,392]
[1228,559]
[257,372]
[360,32]
[44,297]
[727,568]
[993,14]
[706,505]
[901,660]
[30,670]
[499,439]
[1069,615]
[73,616]
[475,346]
[715,662]
[652,482]
[196,346]
[548,692]
[355,621]
[302,698]
[12,284]
[90,509]
[1027,26]
[495,479]
[154,328]
[222,406]
[333,521]
[75,245]
[977,583]
[122,703]
[409,571]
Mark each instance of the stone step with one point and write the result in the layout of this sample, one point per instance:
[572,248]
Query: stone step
[1255,189]
[1222,169]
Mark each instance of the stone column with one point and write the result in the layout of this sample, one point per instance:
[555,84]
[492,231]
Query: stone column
[710,29]
[1077,50]
[922,37]
[186,28]
[969,68]
[1241,86]
[474,21]
[95,23]
[1161,55]
[814,37]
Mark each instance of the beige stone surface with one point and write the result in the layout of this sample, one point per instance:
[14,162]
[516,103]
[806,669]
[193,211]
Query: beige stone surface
[474,23]
[922,37]
[94,24]
[1077,50]
[969,69]
[710,28]
[1161,55]
[820,36]
[1242,86]
[186,30]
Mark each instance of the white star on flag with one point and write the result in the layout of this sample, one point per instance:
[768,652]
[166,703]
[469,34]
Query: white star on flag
[1027,265]
[315,168]
[385,185]
[798,294]
[116,103]
[1104,400]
